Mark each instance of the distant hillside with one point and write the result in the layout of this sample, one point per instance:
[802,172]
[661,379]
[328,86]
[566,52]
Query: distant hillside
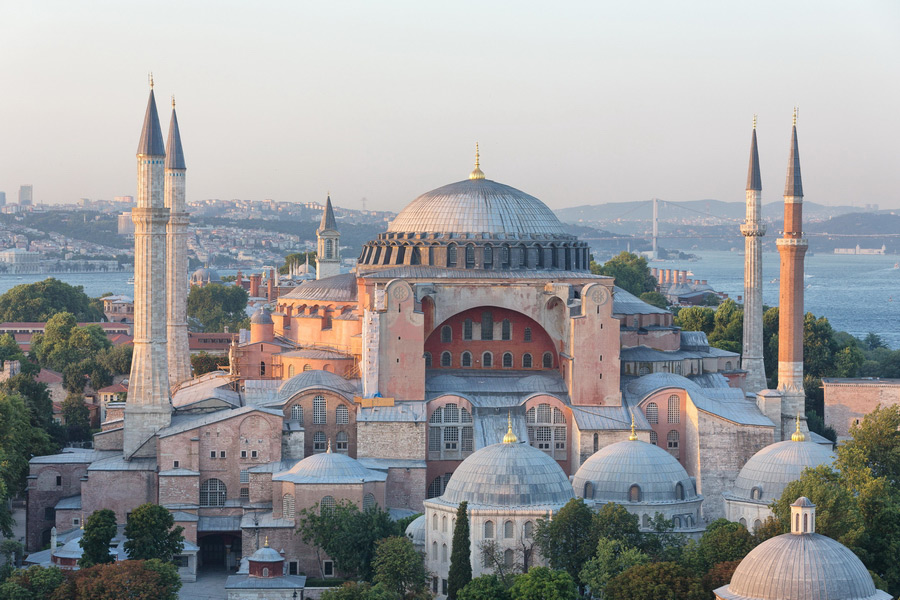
[698,209]
[846,231]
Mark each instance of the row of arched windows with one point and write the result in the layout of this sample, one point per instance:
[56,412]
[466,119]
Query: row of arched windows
[547,430]
[341,442]
[507,360]
[509,530]
[320,416]
[292,370]
[450,432]
[674,416]
[487,330]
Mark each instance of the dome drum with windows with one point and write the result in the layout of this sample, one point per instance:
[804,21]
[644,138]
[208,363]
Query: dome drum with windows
[477,224]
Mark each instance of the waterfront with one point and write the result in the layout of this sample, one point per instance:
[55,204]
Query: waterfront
[858,294]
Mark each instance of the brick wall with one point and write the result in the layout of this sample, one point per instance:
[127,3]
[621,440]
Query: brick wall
[847,401]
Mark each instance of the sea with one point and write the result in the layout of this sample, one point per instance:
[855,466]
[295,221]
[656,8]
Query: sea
[858,294]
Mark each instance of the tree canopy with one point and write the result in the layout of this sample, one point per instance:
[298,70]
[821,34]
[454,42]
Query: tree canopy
[568,540]
[460,557]
[133,579]
[99,530]
[630,271]
[38,302]
[203,363]
[214,307]
[151,534]
[400,568]
[541,583]
[660,581]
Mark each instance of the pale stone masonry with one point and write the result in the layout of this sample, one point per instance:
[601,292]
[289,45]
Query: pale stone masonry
[176,257]
[753,231]
[149,406]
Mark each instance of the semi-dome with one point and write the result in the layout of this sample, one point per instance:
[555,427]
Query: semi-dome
[801,565]
[770,470]
[415,531]
[508,475]
[611,473]
[329,467]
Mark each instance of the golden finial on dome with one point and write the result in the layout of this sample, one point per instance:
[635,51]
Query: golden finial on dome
[477,172]
[633,437]
[798,435]
[510,437]
[267,542]
[328,451]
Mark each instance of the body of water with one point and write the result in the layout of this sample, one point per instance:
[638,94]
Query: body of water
[857,294]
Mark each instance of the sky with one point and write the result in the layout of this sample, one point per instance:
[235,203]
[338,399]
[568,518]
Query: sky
[573,102]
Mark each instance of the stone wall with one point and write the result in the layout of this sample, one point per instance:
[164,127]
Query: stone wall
[390,439]
[43,493]
[847,401]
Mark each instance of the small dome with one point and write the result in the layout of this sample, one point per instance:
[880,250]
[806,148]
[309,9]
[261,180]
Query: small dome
[313,379]
[415,531]
[510,475]
[775,466]
[801,567]
[261,317]
[205,275]
[613,470]
[71,549]
[266,554]
[329,467]
[477,205]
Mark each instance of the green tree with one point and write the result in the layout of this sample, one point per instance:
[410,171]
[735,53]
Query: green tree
[728,327]
[347,534]
[151,534]
[655,299]
[819,346]
[696,318]
[659,581]
[64,344]
[33,583]
[568,540]
[10,350]
[848,361]
[11,552]
[37,399]
[485,587]
[541,583]
[460,556]
[770,345]
[612,557]
[720,574]
[215,307]
[203,363]
[38,302]
[614,522]
[77,417]
[19,441]
[359,590]
[116,360]
[724,541]
[151,579]
[874,445]
[99,530]
[400,569]
[630,272]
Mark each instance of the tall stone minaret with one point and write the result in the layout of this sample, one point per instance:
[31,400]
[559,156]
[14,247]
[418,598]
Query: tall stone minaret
[792,248]
[176,257]
[328,253]
[149,407]
[753,230]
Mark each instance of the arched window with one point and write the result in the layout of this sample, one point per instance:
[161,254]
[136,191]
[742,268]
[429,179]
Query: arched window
[436,488]
[588,490]
[676,522]
[672,440]
[319,410]
[329,248]
[487,325]
[488,529]
[291,371]
[467,329]
[634,493]
[654,438]
[596,442]
[505,330]
[548,360]
[368,501]
[756,525]
[528,530]
[451,255]
[319,442]
[434,521]
[446,334]
[652,413]
[434,554]
[341,415]
[443,552]
[504,256]
[526,361]
[265,572]
[509,529]
[444,524]
[507,360]
[448,426]
[466,359]
[262,367]
[756,493]
[470,256]
[307,367]
[428,360]
[326,506]
[679,491]
[797,522]
[487,360]
[446,359]
[527,334]
[674,409]
[644,369]
[727,365]
[212,493]
[287,503]
[547,430]
[488,256]
[743,521]
[297,413]
[342,441]
[508,558]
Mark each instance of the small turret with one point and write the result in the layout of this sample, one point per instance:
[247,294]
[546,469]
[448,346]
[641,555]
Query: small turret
[328,252]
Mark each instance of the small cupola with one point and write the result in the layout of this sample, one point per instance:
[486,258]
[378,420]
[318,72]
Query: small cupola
[803,516]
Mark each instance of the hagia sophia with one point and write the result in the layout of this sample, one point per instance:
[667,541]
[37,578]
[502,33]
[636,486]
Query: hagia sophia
[470,355]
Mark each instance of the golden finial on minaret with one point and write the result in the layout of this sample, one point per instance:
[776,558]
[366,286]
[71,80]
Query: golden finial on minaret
[633,437]
[796,110]
[798,435]
[173,100]
[477,172]
[510,437]
[754,121]
[150,77]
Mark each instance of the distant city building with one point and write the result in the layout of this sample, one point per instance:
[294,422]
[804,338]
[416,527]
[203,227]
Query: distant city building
[2,198]
[859,250]
[124,199]
[125,224]
[26,195]
[19,261]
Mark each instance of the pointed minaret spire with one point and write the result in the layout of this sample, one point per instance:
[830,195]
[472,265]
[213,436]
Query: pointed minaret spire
[328,216]
[174,152]
[754,180]
[794,185]
[328,254]
[151,142]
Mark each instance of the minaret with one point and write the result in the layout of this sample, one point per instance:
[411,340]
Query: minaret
[328,254]
[176,257]
[753,230]
[149,407]
[792,248]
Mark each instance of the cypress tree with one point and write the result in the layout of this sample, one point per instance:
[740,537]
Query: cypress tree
[460,555]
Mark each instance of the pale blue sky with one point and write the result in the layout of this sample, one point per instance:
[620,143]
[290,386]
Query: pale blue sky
[575,103]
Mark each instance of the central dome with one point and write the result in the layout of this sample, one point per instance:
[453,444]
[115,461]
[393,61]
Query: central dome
[478,206]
